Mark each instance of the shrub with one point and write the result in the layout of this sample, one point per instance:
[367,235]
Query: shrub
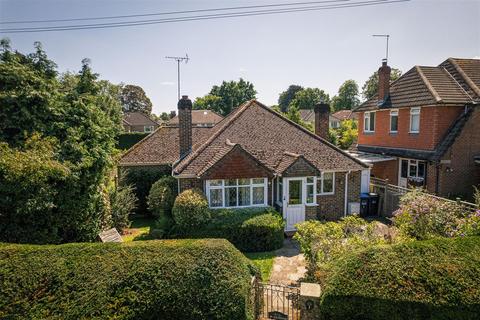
[122,204]
[422,216]
[168,279]
[249,229]
[434,279]
[142,179]
[162,197]
[322,242]
[190,209]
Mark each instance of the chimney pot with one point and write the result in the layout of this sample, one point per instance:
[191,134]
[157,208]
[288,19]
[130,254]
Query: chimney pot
[185,125]
[322,115]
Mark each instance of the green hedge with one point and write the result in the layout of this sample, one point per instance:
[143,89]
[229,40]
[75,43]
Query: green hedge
[434,279]
[168,279]
[250,230]
[127,140]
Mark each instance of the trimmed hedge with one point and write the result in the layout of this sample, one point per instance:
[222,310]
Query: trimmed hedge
[190,209]
[250,230]
[168,279]
[127,140]
[434,279]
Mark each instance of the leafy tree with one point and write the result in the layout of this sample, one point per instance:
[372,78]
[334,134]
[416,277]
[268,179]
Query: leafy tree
[293,114]
[287,96]
[308,98]
[134,99]
[347,133]
[370,88]
[80,117]
[224,98]
[347,97]
[164,116]
[172,114]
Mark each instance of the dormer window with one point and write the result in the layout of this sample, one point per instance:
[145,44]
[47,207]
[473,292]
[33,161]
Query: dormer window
[369,121]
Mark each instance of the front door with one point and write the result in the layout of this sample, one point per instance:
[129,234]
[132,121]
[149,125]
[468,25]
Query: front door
[294,202]
[403,173]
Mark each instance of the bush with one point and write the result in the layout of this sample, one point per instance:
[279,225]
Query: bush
[322,242]
[122,204]
[191,209]
[422,216]
[142,179]
[434,279]
[127,140]
[168,279]
[250,229]
[162,197]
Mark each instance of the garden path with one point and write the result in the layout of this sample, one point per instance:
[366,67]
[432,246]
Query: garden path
[288,265]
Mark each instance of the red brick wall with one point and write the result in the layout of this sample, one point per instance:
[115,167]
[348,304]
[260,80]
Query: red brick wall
[386,170]
[434,122]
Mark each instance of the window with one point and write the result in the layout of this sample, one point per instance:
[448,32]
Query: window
[311,192]
[232,193]
[147,128]
[369,122]
[279,190]
[412,169]
[326,183]
[394,121]
[415,120]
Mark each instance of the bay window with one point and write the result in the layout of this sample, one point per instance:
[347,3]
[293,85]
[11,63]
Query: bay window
[415,120]
[369,122]
[231,193]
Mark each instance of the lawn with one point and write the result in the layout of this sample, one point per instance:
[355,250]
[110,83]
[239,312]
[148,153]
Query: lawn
[139,229]
[264,261]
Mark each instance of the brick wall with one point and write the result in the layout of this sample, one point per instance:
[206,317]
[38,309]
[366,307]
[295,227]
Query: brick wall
[300,168]
[434,123]
[386,170]
[190,183]
[458,177]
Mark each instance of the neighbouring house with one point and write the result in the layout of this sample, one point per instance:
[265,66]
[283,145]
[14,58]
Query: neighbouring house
[343,115]
[138,122]
[200,118]
[308,116]
[424,128]
[256,157]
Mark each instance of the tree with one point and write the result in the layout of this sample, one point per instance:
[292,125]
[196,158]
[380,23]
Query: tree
[134,99]
[164,116]
[224,98]
[287,96]
[347,97]
[80,118]
[347,133]
[308,98]
[370,88]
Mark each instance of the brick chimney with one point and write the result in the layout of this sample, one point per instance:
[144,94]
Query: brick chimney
[185,125]
[322,115]
[383,81]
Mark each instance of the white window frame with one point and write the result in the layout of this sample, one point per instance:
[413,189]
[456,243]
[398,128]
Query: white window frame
[414,112]
[367,116]
[279,190]
[393,113]
[314,184]
[251,185]
[320,192]
[150,129]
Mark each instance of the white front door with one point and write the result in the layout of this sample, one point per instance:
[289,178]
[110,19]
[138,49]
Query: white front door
[293,202]
[403,173]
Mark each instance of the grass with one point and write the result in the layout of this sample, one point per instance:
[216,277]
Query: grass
[264,261]
[139,229]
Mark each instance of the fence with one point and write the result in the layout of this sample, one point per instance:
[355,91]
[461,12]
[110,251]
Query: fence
[390,197]
[274,301]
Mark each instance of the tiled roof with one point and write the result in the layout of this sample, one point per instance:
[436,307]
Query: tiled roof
[307,115]
[421,86]
[138,119]
[266,135]
[344,115]
[200,117]
[161,147]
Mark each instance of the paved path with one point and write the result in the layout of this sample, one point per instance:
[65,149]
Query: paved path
[288,265]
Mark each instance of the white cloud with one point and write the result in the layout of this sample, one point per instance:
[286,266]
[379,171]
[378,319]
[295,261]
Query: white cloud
[167,83]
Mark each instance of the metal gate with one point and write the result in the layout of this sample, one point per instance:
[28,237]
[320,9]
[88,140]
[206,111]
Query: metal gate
[277,302]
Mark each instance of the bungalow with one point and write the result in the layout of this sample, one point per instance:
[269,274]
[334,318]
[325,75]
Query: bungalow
[256,157]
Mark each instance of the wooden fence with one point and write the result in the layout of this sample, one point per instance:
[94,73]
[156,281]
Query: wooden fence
[390,196]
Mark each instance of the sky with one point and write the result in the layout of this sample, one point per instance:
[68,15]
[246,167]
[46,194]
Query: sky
[312,49]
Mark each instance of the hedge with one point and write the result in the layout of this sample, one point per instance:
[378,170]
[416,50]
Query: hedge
[167,279]
[250,230]
[127,140]
[434,279]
